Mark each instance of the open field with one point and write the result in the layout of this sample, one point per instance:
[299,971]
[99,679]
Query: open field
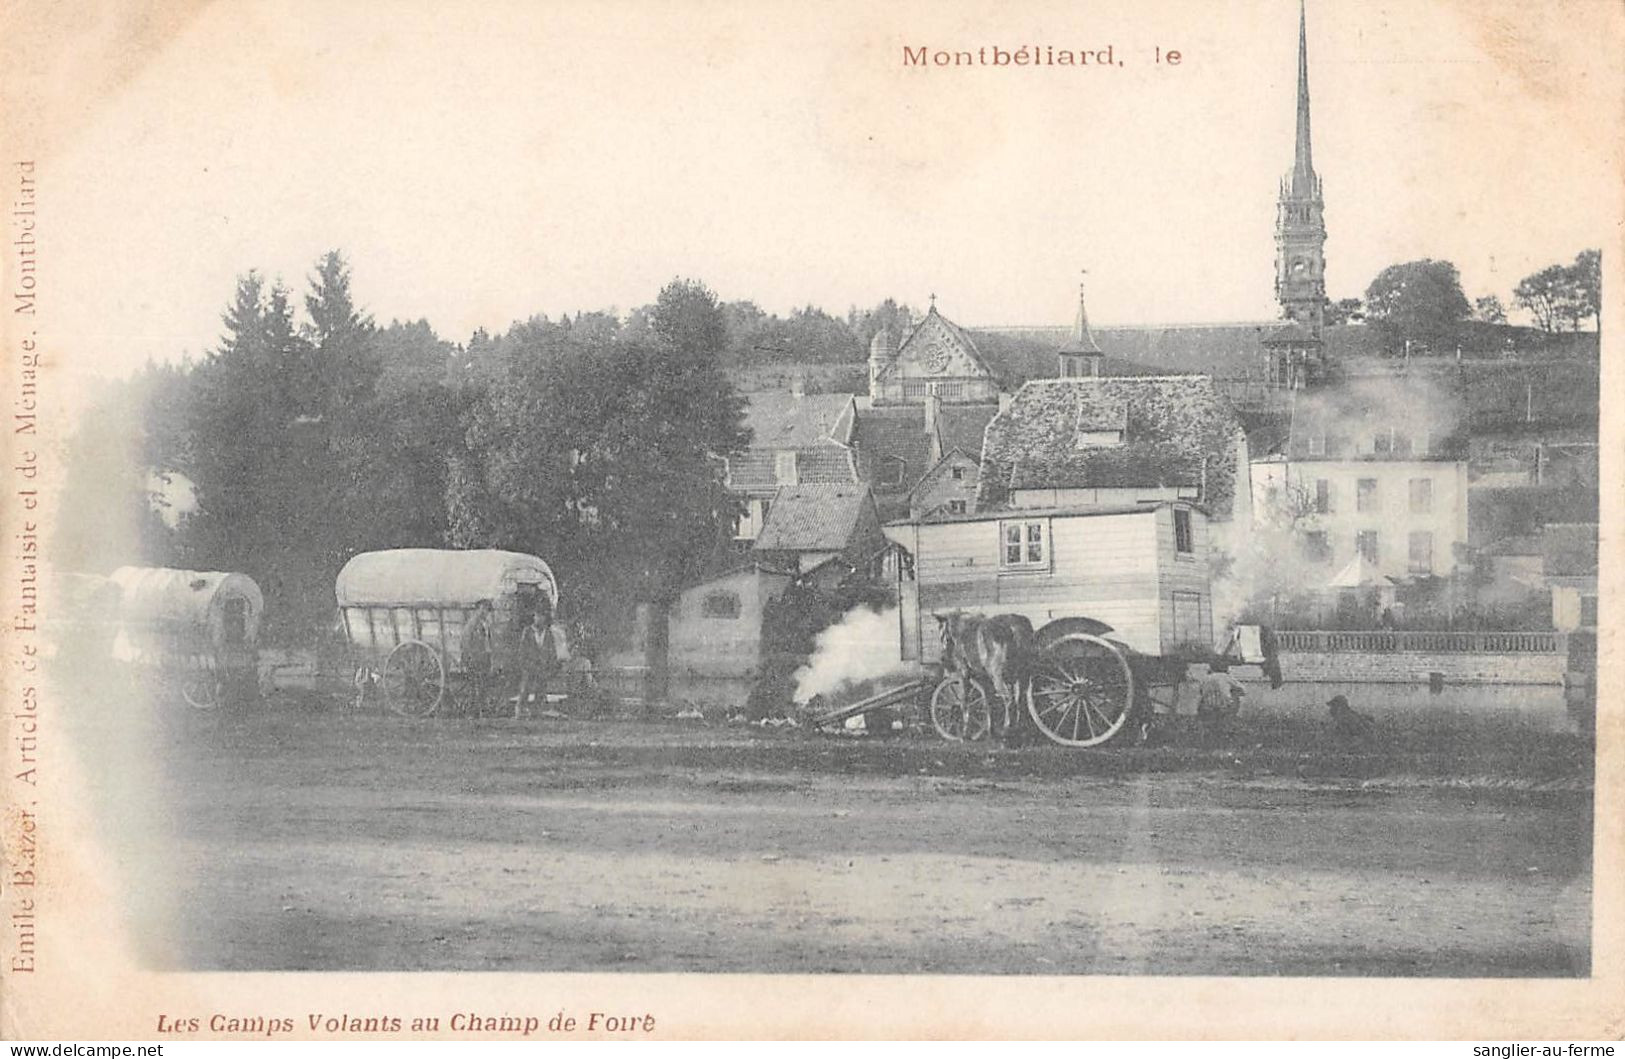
[323,840]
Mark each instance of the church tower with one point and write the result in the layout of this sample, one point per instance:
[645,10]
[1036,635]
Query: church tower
[1300,225]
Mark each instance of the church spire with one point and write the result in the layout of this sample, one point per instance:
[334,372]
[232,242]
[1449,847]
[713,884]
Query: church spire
[1081,355]
[1303,164]
[1082,339]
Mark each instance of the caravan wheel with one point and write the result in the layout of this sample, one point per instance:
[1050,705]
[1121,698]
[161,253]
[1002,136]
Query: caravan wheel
[414,679]
[1082,691]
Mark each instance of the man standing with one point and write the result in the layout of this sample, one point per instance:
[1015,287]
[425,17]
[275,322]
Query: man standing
[477,657]
[1218,700]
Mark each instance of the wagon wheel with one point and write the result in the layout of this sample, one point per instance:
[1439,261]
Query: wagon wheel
[1082,691]
[201,690]
[959,710]
[414,679]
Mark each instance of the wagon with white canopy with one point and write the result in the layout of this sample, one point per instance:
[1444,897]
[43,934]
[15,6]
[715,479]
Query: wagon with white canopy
[197,629]
[413,619]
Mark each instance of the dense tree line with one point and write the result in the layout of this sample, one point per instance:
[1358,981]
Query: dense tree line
[311,433]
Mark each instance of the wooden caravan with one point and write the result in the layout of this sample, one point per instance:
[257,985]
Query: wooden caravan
[1140,572]
[411,617]
[1120,599]
[199,629]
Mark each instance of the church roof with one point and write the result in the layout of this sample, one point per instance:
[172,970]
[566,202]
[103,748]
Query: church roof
[1174,427]
[936,330]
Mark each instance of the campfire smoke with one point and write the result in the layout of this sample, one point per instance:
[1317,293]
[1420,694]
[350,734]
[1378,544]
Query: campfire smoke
[864,645]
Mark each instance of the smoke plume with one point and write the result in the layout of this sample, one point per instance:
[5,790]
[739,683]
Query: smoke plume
[863,645]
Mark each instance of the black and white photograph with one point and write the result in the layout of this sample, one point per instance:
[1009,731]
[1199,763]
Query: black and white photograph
[1029,520]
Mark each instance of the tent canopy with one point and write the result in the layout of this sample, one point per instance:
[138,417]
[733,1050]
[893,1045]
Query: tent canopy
[434,577]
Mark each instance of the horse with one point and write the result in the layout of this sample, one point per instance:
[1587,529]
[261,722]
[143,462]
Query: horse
[1000,649]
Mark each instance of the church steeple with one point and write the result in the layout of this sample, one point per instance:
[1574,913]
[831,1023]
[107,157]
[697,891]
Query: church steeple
[1300,225]
[1304,181]
[1081,354]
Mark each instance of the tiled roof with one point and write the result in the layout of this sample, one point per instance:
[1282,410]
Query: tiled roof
[813,518]
[892,433]
[1175,424]
[756,470]
[782,420]
[962,426]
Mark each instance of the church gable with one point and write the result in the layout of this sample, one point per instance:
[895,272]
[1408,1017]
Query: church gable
[936,349]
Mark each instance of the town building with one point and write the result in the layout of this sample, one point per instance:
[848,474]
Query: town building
[1372,485]
[929,397]
[809,526]
[715,625]
[797,438]
[1107,441]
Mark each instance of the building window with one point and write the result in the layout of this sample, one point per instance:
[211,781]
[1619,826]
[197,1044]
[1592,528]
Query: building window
[1588,611]
[1366,497]
[1188,618]
[1023,545]
[723,605]
[956,507]
[784,468]
[1421,553]
[1382,444]
[958,474]
[1421,496]
[1184,544]
[1365,542]
[1317,444]
[891,471]
[1323,497]
[1316,548]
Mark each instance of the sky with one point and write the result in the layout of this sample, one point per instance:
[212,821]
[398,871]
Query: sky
[482,163]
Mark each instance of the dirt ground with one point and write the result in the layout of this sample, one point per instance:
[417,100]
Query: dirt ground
[325,840]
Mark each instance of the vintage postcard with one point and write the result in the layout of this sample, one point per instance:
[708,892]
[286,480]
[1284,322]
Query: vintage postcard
[643,520]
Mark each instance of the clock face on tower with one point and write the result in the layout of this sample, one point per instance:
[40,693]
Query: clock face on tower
[1300,267]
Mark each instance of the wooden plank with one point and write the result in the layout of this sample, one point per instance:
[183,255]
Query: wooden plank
[889,697]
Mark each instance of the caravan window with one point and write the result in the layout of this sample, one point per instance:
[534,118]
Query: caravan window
[1023,545]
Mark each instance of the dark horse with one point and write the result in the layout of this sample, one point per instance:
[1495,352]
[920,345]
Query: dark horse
[1000,650]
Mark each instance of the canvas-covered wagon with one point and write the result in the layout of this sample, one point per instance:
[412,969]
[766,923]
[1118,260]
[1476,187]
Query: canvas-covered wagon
[428,626]
[1120,600]
[196,629]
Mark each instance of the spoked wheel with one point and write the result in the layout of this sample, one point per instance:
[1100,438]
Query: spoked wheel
[959,710]
[414,679]
[201,690]
[1082,691]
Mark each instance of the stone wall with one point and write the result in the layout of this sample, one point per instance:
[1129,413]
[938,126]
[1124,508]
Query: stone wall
[1403,667]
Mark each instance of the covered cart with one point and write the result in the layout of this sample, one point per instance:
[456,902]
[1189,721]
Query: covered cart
[1120,599]
[198,630]
[413,618]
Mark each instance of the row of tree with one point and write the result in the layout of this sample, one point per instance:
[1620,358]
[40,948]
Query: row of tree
[1423,301]
[308,437]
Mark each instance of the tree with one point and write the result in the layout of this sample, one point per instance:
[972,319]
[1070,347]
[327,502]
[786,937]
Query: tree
[1561,296]
[1587,269]
[1344,311]
[1418,300]
[622,490]
[1546,295]
[1489,310]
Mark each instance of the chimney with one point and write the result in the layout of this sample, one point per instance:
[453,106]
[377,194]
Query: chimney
[933,405]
